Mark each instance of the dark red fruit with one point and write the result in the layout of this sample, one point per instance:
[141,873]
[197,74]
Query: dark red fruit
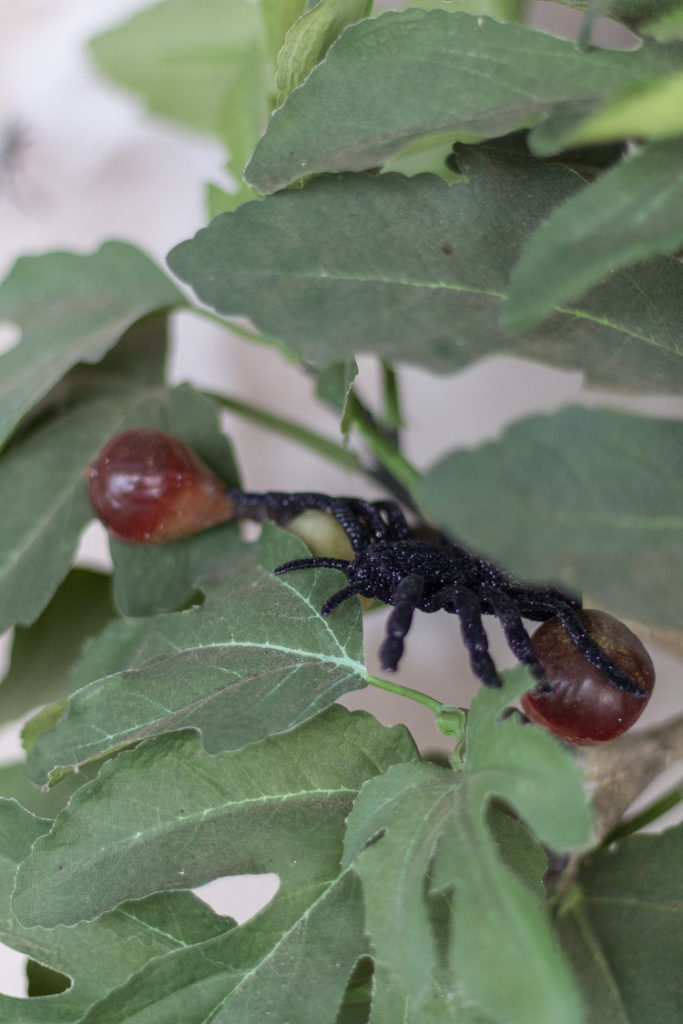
[584,707]
[147,486]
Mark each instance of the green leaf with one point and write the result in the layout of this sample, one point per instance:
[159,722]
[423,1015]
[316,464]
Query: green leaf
[666,29]
[631,213]
[369,98]
[278,806]
[197,816]
[371,263]
[199,62]
[286,965]
[71,309]
[183,56]
[43,654]
[633,12]
[97,956]
[418,831]
[43,803]
[309,39]
[621,926]
[588,497]
[256,659]
[645,110]
[278,17]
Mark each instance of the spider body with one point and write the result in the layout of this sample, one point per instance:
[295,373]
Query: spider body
[394,564]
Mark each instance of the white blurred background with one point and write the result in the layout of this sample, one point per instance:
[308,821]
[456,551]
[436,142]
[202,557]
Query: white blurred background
[89,164]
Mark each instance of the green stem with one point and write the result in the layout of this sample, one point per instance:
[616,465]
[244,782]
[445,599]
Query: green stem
[392,400]
[386,453]
[670,799]
[405,691]
[248,335]
[293,431]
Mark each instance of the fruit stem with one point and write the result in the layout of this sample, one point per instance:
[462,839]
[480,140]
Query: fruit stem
[393,420]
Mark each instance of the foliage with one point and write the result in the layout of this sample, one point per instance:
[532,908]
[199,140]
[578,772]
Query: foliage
[431,187]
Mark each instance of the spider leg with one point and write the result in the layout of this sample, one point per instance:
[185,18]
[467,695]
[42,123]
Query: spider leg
[396,526]
[312,563]
[322,563]
[506,611]
[405,600]
[465,604]
[591,651]
[361,522]
[336,599]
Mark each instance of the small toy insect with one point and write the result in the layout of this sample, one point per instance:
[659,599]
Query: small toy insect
[395,565]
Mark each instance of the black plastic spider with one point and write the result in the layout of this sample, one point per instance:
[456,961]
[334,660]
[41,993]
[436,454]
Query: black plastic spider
[395,565]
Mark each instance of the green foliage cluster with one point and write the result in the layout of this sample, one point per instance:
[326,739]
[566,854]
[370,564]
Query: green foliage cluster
[431,186]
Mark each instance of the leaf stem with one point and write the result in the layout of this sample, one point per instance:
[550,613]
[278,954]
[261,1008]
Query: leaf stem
[386,453]
[393,420]
[405,691]
[291,430]
[660,806]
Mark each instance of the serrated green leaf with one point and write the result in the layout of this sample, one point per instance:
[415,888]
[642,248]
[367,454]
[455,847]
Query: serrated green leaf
[43,654]
[587,497]
[309,39]
[254,660]
[419,829]
[371,263]
[369,98]
[198,816]
[632,212]
[71,309]
[621,926]
[97,956]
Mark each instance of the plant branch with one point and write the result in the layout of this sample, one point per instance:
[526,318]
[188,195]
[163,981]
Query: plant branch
[397,467]
[291,430]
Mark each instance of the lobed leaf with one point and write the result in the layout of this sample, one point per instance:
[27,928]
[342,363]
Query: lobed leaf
[286,961]
[44,654]
[254,660]
[359,263]
[97,956]
[588,497]
[631,213]
[419,831]
[369,98]
[71,309]
[193,817]
[620,925]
